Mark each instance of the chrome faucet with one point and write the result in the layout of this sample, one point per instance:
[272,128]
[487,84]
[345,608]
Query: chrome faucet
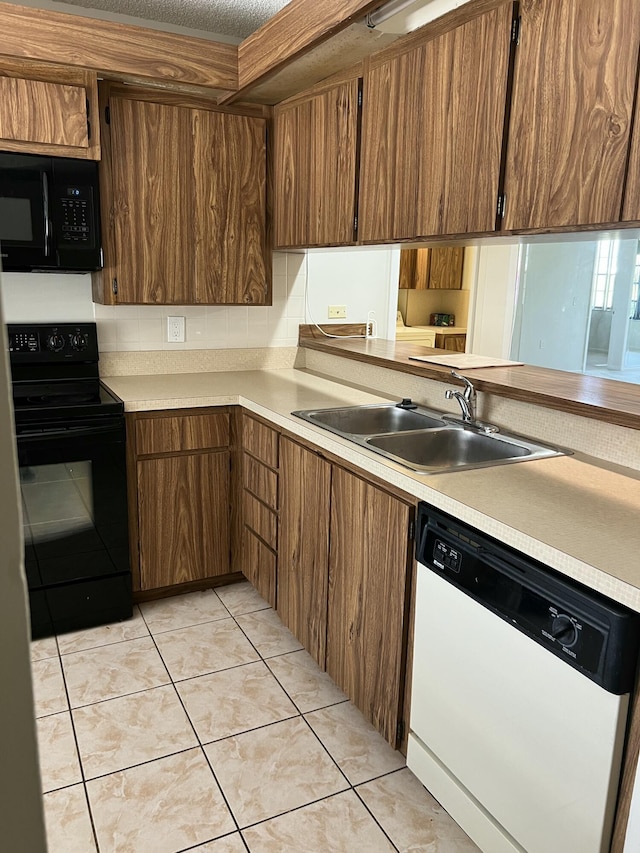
[466,398]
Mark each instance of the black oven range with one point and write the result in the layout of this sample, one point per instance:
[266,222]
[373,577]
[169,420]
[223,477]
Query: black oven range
[70,434]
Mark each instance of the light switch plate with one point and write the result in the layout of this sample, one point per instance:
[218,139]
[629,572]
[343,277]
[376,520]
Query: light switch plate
[175,330]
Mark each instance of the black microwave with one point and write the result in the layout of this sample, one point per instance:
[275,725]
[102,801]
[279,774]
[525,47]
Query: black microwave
[49,214]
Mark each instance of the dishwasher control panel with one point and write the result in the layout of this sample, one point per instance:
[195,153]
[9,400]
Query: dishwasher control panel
[446,556]
[590,632]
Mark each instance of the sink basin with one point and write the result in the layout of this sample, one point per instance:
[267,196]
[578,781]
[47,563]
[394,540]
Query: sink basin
[371,420]
[422,440]
[448,448]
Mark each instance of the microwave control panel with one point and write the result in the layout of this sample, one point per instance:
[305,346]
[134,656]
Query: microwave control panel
[75,211]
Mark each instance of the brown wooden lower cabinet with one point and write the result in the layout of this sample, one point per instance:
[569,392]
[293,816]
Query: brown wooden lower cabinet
[367,612]
[183,518]
[304,546]
[180,495]
[259,565]
[344,565]
[455,343]
[259,552]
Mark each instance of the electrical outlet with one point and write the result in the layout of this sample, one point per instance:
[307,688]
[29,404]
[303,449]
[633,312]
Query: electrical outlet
[337,312]
[175,330]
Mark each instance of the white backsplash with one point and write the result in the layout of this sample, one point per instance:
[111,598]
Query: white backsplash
[46,298]
[42,298]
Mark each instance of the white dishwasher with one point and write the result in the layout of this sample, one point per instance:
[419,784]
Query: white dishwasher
[521,682]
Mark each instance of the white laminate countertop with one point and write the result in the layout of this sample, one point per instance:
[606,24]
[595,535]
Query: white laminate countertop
[575,514]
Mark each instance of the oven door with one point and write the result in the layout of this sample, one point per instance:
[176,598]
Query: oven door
[25,225]
[74,504]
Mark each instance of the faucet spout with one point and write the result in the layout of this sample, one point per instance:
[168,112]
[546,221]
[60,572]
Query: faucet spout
[466,398]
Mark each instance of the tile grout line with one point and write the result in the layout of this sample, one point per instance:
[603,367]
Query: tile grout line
[75,739]
[257,728]
[200,744]
[351,786]
[193,728]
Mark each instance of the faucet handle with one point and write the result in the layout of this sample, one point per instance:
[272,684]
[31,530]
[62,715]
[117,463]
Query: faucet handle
[469,390]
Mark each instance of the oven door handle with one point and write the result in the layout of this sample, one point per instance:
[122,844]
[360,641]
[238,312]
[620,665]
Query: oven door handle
[45,201]
[67,432]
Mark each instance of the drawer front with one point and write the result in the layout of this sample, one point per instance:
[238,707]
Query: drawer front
[261,481]
[260,441]
[259,566]
[182,432]
[261,520]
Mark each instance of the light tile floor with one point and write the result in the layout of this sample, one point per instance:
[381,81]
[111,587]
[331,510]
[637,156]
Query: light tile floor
[202,725]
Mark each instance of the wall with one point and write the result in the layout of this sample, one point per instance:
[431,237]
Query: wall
[22,826]
[491,316]
[601,440]
[599,330]
[362,280]
[45,298]
[553,309]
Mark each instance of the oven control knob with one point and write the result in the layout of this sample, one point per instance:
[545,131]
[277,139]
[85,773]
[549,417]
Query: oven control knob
[564,631]
[55,342]
[79,342]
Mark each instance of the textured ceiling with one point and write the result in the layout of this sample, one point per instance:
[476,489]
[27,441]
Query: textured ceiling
[236,18]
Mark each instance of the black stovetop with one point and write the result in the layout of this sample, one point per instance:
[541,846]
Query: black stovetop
[54,371]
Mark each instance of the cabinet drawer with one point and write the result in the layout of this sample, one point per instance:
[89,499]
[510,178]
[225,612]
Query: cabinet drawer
[261,520]
[260,441]
[260,481]
[259,566]
[183,432]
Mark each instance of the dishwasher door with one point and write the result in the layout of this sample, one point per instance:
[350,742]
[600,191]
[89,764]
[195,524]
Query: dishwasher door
[520,748]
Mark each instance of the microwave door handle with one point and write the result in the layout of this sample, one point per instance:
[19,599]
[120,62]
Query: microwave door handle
[45,201]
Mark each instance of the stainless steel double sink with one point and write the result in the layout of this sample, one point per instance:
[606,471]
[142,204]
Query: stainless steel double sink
[426,440]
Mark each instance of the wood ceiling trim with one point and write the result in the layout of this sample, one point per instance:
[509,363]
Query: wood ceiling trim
[119,51]
[293,31]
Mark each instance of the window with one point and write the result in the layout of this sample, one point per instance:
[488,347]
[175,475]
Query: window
[635,290]
[605,274]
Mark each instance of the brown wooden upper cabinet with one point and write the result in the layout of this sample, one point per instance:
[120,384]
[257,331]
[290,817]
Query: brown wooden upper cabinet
[49,109]
[315,163]
[432,132]
[571,112]
[631,204]
[183,189]
[428,269]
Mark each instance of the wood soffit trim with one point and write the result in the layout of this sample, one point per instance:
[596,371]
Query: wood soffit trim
[604,400]
[116,50]
[222,71]
[295,30]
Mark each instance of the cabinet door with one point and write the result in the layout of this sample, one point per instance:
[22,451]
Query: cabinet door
[153,202]
[573,93]
[183,518]
[408,258]
[259,565]
[229,163]
[439,268]
[631,207]
[445,268]
[315,168]
[432,135]
[45,109]
[453,343]
[304,546]
[368,569]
